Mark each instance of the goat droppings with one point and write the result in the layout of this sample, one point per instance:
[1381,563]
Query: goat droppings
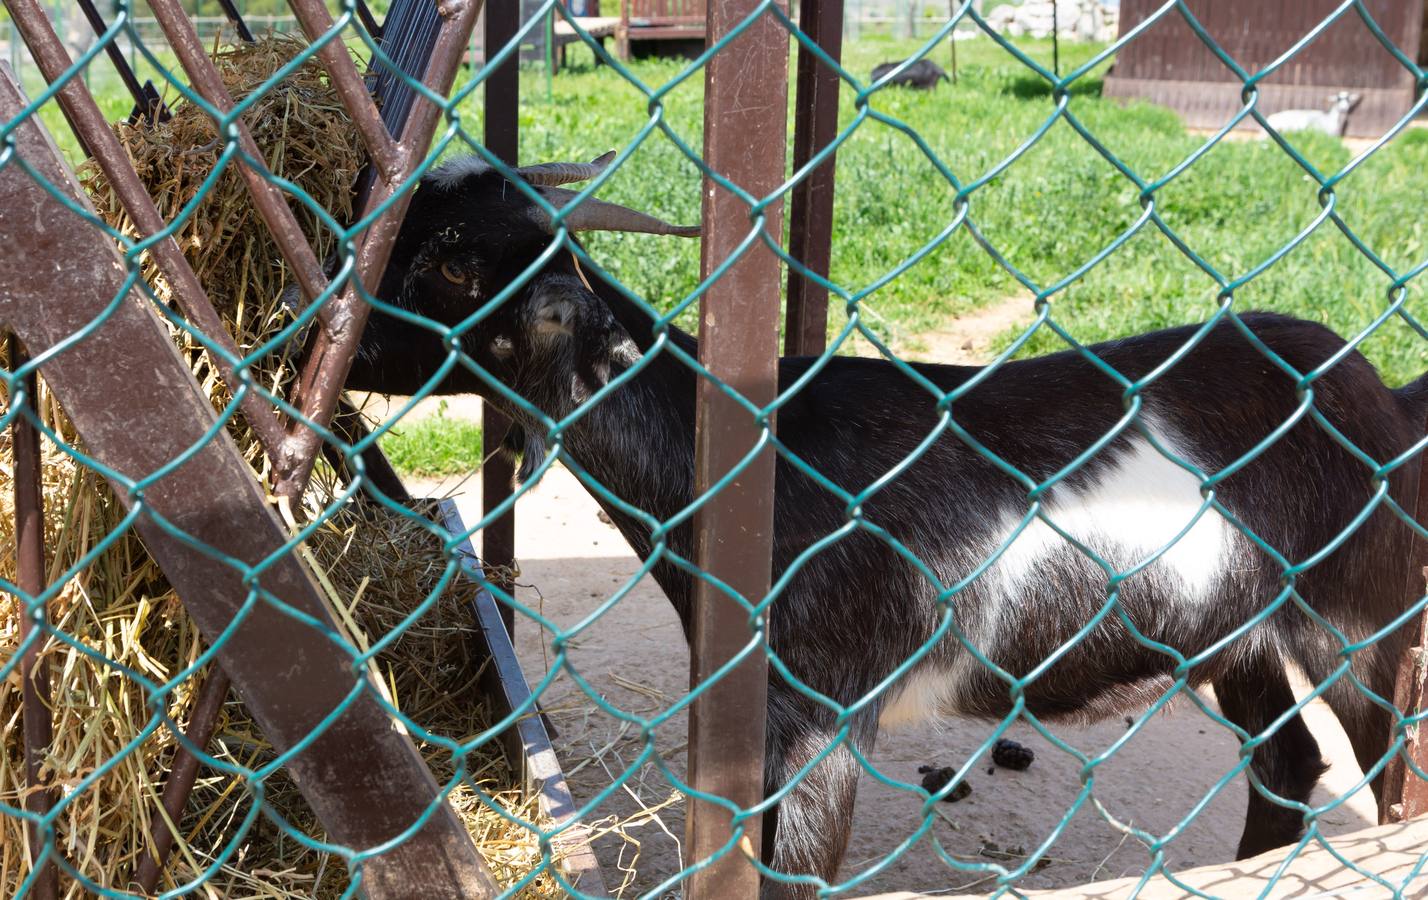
[1011,755]
[935,779]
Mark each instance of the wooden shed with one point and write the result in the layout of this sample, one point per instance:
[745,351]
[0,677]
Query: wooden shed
[1171,66]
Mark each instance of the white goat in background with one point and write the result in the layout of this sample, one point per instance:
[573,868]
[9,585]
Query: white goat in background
[1330,121]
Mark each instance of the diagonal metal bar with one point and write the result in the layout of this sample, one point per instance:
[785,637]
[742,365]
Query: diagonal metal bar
[267,199]
[369,21]
[30,576]
[745,128]
[230,9]
[52,58]
[382,150]
[181,777]
[146,102]
[810,223]
[361,775]
[334,348]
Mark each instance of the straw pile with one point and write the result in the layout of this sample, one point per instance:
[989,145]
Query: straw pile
[374,565]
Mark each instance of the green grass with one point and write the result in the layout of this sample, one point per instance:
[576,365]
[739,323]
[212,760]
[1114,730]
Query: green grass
[435,446]
[1049,213]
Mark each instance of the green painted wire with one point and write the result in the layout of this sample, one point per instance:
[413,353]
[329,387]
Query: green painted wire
[967,188]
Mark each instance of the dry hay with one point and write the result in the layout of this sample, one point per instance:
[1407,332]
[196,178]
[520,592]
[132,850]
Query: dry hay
[374,565]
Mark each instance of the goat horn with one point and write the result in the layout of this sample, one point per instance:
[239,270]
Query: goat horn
[551,174]
[600,215]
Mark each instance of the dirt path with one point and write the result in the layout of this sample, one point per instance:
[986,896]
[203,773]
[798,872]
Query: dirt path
[966,340]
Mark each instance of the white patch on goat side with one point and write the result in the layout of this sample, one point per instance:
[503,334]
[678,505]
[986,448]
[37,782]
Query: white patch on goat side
[918,697]
[456,170]
[1131,510]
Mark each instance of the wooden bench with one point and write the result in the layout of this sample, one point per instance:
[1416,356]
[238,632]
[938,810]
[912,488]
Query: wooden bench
[659,21]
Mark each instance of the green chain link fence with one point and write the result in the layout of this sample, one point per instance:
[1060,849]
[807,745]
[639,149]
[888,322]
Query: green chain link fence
[456,133]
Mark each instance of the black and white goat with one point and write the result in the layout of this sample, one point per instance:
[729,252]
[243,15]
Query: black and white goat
[858,609]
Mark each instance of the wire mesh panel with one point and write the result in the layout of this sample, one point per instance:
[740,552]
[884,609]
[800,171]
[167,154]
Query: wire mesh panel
[1177,465]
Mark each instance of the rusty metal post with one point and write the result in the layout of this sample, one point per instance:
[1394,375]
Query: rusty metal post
[362,776]
[810,223]
[267,199]
[30,578]
[382,150]
[498,539]
[334,348]
[179,784]
[745,124]
[1405,795]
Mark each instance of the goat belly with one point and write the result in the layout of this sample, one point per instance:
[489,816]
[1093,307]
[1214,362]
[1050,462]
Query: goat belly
[1134,538]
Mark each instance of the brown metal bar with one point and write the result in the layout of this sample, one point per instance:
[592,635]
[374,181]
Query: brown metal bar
[382,151]
[267,199]
[1405,795]
[361,775]
[335,347]
[50,54]
[745,124]
[30,578]
[810,229]
[182,775]
[350,427]
[502,136]
[369,21]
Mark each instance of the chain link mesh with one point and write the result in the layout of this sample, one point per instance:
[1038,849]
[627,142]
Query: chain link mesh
[967,188]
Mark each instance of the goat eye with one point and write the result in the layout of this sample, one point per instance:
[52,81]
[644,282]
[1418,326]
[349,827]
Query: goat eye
[451,274]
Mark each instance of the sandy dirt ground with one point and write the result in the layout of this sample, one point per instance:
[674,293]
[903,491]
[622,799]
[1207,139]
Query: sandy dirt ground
[634,656]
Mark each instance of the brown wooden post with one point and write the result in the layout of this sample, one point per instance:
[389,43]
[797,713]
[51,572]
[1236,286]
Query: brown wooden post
[503,101]
[745,123]
[810,230]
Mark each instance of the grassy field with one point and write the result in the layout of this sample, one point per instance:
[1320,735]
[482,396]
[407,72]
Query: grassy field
[1048,213]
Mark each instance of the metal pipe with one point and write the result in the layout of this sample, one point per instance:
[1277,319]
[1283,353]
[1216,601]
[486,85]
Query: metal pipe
[121,65]
[810,231]
[267,199]
[52,58]
[231,11]
[744,137]
[182,775]
[336,347]
[369,21]
[382,150]
[348,425]
[1405,795]
[502,135]
[30,578]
